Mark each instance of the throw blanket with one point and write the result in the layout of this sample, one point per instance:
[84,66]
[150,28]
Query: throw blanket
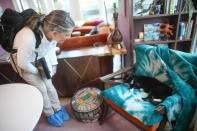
[178,70]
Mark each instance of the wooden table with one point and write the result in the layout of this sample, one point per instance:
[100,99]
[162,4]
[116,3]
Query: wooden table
[97,51]
[21,107]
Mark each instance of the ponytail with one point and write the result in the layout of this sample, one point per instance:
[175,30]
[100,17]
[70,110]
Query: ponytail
[34,22]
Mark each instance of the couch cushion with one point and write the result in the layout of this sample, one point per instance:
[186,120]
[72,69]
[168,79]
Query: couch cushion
[131,101]
[84,29]
[105,29]
[82,41]
[93,23]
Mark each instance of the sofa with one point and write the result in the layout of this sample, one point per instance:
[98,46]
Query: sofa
[86,39]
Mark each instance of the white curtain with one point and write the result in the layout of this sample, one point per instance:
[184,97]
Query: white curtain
[47,6]
[72,6]
[102,10]
[75,11]
[32,4]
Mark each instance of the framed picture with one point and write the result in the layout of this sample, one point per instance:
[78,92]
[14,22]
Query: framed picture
[139,10]
[151,32]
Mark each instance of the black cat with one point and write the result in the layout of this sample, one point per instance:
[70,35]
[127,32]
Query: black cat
[156,90]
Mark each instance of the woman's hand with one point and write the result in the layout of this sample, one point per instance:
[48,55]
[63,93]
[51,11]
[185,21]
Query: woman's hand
[58,52]
[54,69]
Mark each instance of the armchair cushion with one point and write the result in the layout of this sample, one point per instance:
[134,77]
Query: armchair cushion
[84,29]
[134,105]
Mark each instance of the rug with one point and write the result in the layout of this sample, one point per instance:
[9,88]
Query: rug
[113,122]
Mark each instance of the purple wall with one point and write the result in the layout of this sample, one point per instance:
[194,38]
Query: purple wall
[6,4]
[124,26]
[2,51]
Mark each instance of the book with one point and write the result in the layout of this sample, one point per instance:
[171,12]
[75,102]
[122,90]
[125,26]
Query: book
[190,30]
[151,32]
[178,6]
[171,6]
[45,65]
[167,6]
[144,10]
[180,33]
[175,6]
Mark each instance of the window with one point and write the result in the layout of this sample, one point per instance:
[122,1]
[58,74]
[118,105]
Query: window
[109,6]
[62,5]
[25,4]
[90,9]
[79,9]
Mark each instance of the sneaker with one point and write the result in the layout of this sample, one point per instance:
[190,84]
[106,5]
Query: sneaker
[55,120]
[62,113]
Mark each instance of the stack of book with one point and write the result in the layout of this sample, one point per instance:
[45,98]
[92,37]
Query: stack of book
[185,29]
[171,6]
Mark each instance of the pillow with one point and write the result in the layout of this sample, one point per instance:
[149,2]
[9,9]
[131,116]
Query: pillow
[93,23]
[82,41]
[94,31]
[84,29]
[97,22]
[105,29]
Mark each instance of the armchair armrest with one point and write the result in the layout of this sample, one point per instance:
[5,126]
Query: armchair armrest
[106,78]
[160,110]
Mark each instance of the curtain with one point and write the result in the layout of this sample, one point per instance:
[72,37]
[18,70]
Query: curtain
[95,9]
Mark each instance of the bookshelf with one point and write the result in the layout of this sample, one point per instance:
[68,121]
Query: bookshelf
[175,41]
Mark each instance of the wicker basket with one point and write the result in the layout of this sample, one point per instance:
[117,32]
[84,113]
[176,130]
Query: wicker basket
[85,104]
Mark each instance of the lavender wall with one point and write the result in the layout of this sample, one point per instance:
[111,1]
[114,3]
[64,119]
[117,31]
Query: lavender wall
[6,4]
[2,51]
[124,26]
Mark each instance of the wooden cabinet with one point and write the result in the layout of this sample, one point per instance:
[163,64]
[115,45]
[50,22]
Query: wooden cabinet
[82,67]
[137,25]
[78,72]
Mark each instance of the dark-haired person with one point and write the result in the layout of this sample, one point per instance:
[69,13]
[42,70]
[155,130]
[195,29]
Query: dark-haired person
[52,29]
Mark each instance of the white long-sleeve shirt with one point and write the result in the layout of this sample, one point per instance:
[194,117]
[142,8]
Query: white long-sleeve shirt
[25,43]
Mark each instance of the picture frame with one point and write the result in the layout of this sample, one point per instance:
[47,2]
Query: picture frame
[142,11]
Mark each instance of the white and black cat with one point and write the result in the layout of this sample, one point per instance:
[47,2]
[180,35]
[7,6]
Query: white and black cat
[156,90]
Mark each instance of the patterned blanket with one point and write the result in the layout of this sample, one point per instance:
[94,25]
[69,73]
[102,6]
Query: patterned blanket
[176,69]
